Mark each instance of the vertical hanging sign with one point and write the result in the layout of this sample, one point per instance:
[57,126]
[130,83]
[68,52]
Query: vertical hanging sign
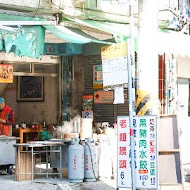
[97,77]
[145,154]
[123,148]
[146,151]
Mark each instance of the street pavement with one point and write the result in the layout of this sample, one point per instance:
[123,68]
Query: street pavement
[7,183]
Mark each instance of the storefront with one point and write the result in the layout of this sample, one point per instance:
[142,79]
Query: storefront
[43,105]
[103,110]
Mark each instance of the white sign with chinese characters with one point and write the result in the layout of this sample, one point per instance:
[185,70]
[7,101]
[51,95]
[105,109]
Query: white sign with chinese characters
[145,135]
[114,65]
[146,152]
[123,148]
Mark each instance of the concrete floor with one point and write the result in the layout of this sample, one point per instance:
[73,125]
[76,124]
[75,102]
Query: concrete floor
[7,183]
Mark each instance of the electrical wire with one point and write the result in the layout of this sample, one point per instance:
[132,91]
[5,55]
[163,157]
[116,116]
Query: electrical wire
[39,2]
[91,161]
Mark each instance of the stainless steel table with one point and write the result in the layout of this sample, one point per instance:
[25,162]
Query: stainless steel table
[55,158]
[39,144]
[7,158]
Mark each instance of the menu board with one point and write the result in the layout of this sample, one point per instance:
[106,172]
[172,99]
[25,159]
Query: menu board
[145,152]
[30,88]
[114,65]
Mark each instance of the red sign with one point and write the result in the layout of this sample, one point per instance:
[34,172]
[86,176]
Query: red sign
[103,97]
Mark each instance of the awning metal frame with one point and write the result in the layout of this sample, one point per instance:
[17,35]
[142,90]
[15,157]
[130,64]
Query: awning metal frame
[27,23]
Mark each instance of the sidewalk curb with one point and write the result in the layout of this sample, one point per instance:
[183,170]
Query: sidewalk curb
[63,187]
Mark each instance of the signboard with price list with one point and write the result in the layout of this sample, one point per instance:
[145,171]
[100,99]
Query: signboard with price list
[145,152]
[114,65]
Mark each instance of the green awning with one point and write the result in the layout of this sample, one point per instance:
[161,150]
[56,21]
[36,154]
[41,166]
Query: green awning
[27,41]
[30,41]
[73,35]
[12,17]
[65,33]
[120,32]
[166,41]
[172,42]
[109,27]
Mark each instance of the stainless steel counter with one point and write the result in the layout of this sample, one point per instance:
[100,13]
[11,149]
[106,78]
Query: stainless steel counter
[7,150]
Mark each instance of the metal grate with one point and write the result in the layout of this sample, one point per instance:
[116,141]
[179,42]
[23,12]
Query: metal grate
[102,112]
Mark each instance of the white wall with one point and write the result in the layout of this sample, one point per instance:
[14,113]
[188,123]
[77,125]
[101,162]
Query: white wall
[183,68]
[183,73]
[183,119]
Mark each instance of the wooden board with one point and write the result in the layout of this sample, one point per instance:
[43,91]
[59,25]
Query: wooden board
[168,133]
[170,165]
[25,166]
[169,168]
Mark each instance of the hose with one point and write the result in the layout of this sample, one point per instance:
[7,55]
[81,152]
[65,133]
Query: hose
[91,161]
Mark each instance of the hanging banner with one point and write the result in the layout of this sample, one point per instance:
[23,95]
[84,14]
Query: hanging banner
[103,97]
[114,65]
[6,73]
[145,153]
[97,77]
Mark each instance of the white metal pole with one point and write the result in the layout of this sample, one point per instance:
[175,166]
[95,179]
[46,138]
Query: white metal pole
[131,90]
[147,67]
[131,113]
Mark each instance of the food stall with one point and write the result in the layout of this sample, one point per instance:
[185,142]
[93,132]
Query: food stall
[27,93]
[39,113]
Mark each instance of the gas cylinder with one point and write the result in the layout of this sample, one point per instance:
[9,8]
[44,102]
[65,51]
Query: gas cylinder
[76,161]
[90,161]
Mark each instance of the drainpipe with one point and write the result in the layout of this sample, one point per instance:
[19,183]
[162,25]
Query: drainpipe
[65,81]
[147,64]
